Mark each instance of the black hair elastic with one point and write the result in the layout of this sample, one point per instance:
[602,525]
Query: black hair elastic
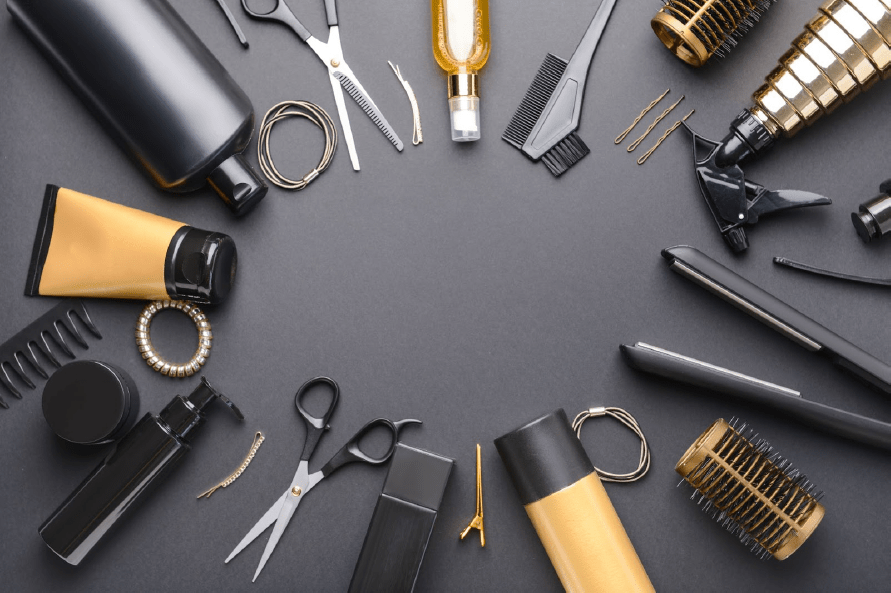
[628,420]
[284,110]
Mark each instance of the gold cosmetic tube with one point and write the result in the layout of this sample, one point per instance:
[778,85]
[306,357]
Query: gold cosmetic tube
[87,247]
[569,508]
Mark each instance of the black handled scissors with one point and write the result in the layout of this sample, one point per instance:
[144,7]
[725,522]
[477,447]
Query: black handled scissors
[339,72]
[281,512]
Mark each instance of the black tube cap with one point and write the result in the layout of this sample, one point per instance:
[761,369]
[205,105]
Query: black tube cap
[543,457]
[200,266]
[238,184]
[88,402]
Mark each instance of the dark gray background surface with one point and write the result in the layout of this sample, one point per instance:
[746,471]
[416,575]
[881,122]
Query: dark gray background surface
[465,286]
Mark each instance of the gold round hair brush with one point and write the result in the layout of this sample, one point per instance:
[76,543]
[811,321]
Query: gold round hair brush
[695,30]
[751,490]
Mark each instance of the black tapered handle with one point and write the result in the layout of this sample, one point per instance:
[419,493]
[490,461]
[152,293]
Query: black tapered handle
[331,12]
[763,306]
[584,53]
[684,369]
[315,425]
[352,451]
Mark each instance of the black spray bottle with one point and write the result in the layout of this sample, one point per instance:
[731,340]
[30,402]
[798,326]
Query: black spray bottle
[141,459]
[155,87]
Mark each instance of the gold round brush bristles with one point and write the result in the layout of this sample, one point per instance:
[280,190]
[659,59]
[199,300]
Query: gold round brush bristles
[694,30]
[751,490]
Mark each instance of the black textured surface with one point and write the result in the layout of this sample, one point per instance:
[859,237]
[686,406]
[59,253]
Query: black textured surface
[466,287]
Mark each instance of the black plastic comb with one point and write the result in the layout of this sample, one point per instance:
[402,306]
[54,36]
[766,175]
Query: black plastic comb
[38,337]
[544,125]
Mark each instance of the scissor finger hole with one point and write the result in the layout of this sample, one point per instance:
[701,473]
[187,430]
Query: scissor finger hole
[377,442]
[260,7]
[317,398]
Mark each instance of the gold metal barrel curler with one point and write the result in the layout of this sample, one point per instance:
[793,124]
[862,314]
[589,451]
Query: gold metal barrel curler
[843,50]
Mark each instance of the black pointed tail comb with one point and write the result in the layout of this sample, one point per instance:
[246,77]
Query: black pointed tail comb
[35,344]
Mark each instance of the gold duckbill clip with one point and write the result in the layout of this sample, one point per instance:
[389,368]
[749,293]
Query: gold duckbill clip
[258,440]
[477,521]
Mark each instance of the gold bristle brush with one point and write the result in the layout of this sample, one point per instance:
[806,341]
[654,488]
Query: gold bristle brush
[695,30]
[752,491]
[843,50]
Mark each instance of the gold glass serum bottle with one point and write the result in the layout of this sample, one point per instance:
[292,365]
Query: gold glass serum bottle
[461,47]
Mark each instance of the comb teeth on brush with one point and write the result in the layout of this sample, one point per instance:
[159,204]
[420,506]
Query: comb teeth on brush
[37,338]
[544,125]
[751,490]
[694,30]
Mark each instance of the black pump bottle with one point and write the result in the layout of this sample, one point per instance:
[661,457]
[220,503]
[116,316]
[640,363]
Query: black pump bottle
[140,460]
[155,87]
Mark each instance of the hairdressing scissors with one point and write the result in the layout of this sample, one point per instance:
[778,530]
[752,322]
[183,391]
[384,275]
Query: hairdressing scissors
[281,512]
[340,74]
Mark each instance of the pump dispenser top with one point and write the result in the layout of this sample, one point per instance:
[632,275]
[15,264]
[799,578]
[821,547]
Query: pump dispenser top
[139,461]
[461,47]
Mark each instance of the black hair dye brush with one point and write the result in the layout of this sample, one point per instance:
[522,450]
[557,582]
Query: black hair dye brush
[543,127]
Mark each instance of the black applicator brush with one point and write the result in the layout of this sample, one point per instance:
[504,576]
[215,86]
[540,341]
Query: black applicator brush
[545,122]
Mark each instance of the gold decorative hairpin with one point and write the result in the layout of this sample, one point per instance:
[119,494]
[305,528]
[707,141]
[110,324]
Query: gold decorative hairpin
[258,440]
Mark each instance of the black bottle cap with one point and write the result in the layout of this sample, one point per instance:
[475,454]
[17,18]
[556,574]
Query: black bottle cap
[238,184]
[543,457]
[88,402]
[200,266]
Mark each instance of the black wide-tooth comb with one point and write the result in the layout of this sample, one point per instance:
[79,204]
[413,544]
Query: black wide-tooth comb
[38,337]
[544,125]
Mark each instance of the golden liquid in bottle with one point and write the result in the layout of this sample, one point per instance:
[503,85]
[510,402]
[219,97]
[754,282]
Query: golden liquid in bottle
[461,47]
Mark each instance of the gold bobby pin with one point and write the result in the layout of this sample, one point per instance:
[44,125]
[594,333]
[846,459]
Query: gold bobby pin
[417,133]
[636,121]
[477,522]
[637,142]
[667,133]
[258,440]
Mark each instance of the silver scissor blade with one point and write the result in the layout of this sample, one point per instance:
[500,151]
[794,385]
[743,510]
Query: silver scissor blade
[289,505]
[355,90]
[265,521]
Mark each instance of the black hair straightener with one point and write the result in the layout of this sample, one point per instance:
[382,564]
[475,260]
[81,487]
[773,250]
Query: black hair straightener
[763,306]
[789,402]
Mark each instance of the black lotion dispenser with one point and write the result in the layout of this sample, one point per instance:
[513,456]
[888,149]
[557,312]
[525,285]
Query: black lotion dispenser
[155,88]
[140,460]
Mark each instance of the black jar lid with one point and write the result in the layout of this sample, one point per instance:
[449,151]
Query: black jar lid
[89,402]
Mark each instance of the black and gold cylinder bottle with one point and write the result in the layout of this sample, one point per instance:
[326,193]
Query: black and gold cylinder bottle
[569,508]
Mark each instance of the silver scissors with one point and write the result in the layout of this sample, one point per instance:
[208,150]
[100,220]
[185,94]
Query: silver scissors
[281,512]
[339,72]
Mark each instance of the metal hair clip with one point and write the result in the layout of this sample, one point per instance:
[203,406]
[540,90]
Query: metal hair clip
[255,446]
[417,134]
[477,521]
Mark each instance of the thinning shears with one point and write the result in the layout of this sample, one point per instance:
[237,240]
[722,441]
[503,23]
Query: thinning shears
[340,74]
[281,512]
